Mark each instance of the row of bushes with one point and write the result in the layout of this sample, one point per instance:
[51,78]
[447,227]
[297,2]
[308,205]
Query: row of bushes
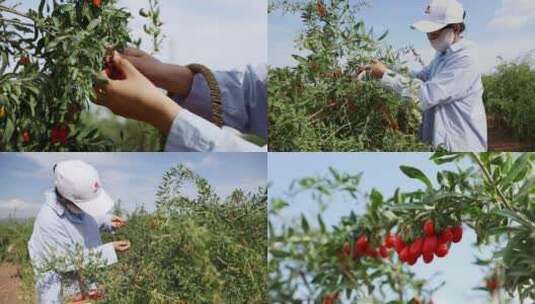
[509,98]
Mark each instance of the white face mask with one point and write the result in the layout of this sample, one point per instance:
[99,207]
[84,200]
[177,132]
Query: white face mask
[445,40]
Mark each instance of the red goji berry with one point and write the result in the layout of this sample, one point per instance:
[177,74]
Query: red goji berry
[446,236]
[362,243]
[390,241]
[441,250]
[428,258]
[399,245]
[416,248]
[25,137]
[457,234]
[430,244]
[429,228]
[383,250]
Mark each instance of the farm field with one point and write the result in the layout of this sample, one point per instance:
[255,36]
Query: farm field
[191,246]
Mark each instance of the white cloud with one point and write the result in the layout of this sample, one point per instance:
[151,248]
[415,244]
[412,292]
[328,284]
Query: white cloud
[514,14]
[16,207]
[220,41]
[208,160]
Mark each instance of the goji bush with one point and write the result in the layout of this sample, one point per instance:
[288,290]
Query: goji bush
[197,248]
[366,252]
[509,98]
[325,103]
[51,59]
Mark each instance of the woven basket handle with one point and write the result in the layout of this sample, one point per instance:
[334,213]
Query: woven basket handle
[215,92]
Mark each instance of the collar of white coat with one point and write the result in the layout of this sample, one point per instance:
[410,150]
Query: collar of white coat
[59,209]
[459,45]
[52,201]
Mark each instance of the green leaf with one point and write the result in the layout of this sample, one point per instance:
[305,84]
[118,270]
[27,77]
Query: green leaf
[383,36]
[416,174]
[304,224]
[518,168]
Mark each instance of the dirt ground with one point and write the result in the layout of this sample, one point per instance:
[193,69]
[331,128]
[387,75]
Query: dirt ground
[9,282]
[501,139]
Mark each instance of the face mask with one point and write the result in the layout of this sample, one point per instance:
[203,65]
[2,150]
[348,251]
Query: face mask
[445,40]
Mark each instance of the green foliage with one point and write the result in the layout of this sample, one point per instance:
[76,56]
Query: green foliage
[51,59]
[322,104]
[492,193]
[508,98]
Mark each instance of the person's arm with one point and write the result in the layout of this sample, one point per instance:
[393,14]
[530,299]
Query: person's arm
[137,98]
[110,222]
[450,84]
[190,132]
[244,99]
[51,244]
[404,86]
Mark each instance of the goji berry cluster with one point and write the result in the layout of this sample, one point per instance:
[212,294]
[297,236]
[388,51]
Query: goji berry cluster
[362,247]
[428,246]
[60,133]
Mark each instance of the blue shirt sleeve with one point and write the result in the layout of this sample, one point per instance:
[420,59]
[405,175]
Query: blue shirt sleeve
[450,84]
[244,99]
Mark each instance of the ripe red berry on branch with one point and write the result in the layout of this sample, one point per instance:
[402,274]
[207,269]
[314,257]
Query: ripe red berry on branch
[442,250]
[97,3]
[416,248]
[429,228]
[24,60]
[362,243]
[26,137]
[383,250]
[390,241]
[59,134]
[457,234]
[430,244]
[446,236]
[399,245]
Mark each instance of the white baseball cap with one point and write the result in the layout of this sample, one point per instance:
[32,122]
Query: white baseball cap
[439,14]
[78,182]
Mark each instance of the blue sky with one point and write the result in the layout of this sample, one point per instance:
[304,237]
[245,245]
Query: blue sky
[499,27]
[131,177]
[380,170]
[223,34]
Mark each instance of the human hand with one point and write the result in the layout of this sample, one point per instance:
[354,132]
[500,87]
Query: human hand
[172,78]
[376,69]
[121,246]
[117,222]
[129,94]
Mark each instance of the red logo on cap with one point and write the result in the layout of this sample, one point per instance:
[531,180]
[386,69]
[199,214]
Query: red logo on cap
[96,187]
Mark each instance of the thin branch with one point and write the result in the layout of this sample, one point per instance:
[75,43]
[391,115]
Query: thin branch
[491,181]
[14,12]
